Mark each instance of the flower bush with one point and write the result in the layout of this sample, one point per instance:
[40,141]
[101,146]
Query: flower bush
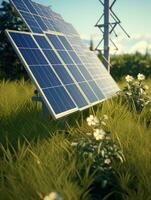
[98,147]
[135,92]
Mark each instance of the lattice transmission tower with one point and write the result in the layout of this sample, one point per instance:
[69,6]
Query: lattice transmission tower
[107,27]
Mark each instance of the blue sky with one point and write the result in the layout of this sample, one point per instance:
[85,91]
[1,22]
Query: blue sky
[135,16]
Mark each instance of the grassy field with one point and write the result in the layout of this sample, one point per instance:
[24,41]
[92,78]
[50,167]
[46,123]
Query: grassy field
[37,158]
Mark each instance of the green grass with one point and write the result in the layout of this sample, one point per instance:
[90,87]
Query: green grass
[37,158]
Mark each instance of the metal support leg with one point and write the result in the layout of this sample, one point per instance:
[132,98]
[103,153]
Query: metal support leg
[106,61]
[45,110]
[37,99]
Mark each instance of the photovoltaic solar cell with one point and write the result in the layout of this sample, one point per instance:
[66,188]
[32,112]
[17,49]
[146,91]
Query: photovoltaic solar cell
[68,76]
[52,89]
[46,19]
[71,60]
[74,65]
[57,65]
[94,67]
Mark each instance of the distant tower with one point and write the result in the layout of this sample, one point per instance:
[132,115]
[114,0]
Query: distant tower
[107,28]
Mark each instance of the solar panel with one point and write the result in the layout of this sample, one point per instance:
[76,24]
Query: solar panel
[75,66]
[94,66]
[61,69]
[68,76]
[39,18]
[54,94]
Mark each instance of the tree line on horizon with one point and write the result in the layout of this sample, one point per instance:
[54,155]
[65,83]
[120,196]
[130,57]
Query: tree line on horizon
[11,68]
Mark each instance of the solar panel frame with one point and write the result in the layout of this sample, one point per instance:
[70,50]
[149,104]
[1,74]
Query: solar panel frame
[66,66]
[62,28]
[48,105]
[71,76]
[71,85]
[19,11]
[102,72]
[57,20]
[106,75]
[19,5]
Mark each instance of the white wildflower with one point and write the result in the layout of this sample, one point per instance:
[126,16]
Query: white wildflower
[121,158]
[107,161]
[96,132]
[140,77]
[129,93]
[99,134]
[89,134]
[146,87]
[105,117]
[46,198]
[141,91]
[38,162]
[103,123]
[108,138]
[103,153]
[136,82]
[92,120]
[147,102]
[129,78]
[100,137]
[53,196]
[74,144]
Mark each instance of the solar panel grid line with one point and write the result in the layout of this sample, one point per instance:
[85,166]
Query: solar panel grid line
[54,87]
[79,49]
[39,21]
[55,116]
[79,82]
[105,86]
[54,70]
[30,6]
[19,5]
[90,74]
[76,64]
[80,52]
[24,12]
[24,9]
[69,31]
[37,7]
[105,74]
[69,46]
[78,70]
[31,19]
[87,51]
[53,33]
[72,77]
[28,70]
[56,18]
[107,89]
[43,8]
[46,22]
[43,22]
[74,82]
